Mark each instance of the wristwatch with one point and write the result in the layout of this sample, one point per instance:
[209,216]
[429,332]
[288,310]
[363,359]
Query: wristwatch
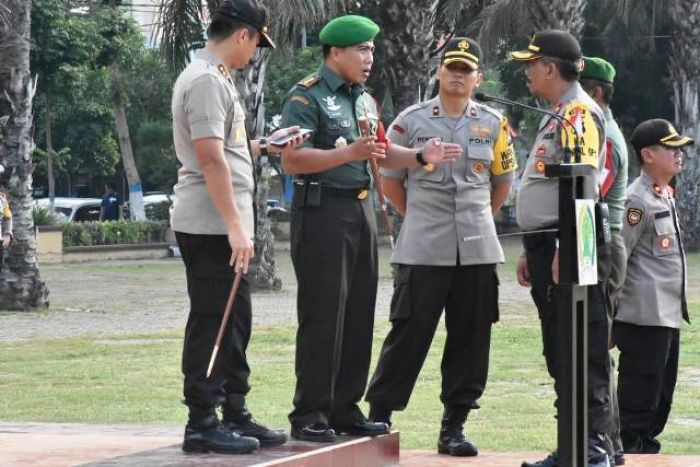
[262,145]
[419,158]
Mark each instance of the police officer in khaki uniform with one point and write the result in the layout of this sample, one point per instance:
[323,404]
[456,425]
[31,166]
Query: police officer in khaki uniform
[333,245]
[213,220]
[553,64]
[447,250]
[5,223]
[653,302]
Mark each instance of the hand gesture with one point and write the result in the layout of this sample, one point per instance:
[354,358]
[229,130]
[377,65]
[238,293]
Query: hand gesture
[437,152]
[522,272]
[366,147]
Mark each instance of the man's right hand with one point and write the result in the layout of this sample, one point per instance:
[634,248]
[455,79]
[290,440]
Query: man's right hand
[366,147]
[522,272]
[242,248]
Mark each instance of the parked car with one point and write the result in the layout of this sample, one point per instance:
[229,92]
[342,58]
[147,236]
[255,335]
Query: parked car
[276,212]
[73,209]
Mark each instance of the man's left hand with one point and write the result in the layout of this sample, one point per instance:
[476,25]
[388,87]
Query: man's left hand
[6,239]
[437,152]
[281,133]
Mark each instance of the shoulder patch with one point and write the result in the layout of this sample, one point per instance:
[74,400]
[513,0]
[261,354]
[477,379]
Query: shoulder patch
[309,81]
[634,216]
[301,99]
[224,71]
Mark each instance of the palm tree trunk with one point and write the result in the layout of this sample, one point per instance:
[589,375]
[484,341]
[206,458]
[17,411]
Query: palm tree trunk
[136,208]
[685,79]
[21,286]
[250,84]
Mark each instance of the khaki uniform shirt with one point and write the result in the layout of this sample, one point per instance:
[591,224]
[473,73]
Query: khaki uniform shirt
[329,106]
[448,210]
[654,293]
[5,215]
[206,105]
[537,204]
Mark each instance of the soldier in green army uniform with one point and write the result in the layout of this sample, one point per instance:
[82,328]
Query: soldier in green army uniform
[213,220]
[333,245]
[447,250]
[597,80]
[653,302]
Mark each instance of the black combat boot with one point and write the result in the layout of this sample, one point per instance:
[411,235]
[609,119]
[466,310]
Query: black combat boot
[238,420]
[208,435]
[452,440]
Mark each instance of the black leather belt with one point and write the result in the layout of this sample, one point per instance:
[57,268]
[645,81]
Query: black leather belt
[350,193]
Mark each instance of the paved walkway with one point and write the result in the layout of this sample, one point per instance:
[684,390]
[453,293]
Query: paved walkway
[56,445]
[140,297]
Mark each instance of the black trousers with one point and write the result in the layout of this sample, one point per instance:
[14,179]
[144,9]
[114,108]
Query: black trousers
[209,281]
[539,252]
[647,378]
[334,252]
[469,296]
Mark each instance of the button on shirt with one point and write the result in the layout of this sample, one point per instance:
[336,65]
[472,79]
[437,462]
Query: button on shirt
[448,210]
[537,205]
[206,104]
[654,293]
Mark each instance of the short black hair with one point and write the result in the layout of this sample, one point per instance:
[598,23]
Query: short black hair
[111,186]
[607,88]
[223,26]
[569,71]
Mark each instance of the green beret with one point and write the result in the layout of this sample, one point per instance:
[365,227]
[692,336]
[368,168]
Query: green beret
[598,69]
[348,30]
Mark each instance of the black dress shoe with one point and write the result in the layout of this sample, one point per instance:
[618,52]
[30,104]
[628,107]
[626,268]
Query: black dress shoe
[549,461]
[314,432]
[216,438]
[363,428]
[252,428]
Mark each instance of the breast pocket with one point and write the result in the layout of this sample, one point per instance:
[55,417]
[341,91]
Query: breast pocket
[665,238]
[478,160]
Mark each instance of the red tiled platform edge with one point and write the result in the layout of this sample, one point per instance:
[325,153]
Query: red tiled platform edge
[29,445]
[509,459]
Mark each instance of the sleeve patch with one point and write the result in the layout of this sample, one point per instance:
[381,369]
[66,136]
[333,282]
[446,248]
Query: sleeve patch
[398,128]
[582,123]
[301,99]
[634,216]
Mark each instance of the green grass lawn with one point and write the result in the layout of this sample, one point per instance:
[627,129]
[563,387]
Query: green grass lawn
[137,379]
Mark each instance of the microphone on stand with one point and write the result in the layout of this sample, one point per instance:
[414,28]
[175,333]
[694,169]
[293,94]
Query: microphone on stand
[482,97]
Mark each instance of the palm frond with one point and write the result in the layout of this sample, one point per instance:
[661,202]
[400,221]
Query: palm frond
[179,26]
[290,17]
[502,19]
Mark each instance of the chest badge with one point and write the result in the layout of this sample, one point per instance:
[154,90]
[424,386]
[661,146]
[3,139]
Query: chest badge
[478,167]
[539,166]
[665,242]
[330,103]
[480,131]
[341,142]
[634,216]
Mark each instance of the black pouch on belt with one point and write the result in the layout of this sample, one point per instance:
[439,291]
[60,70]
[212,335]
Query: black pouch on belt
[602,223]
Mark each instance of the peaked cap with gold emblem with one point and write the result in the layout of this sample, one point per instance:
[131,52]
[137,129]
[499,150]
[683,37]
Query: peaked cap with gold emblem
[464,50]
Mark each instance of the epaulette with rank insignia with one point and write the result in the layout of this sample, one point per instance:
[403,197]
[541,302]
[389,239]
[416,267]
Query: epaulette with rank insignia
[309,81]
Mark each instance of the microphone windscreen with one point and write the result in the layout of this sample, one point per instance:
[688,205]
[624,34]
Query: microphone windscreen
[481,97]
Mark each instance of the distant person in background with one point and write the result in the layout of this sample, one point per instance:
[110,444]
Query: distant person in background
[5,223]
[111,204]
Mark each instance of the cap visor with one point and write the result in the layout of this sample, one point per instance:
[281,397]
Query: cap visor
[470,63]
[266,40]
[678,141]
[523,55]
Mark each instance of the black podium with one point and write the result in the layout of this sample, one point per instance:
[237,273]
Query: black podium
[572,407]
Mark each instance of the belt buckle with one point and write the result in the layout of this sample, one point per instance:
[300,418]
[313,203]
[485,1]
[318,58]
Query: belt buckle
[363,194]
